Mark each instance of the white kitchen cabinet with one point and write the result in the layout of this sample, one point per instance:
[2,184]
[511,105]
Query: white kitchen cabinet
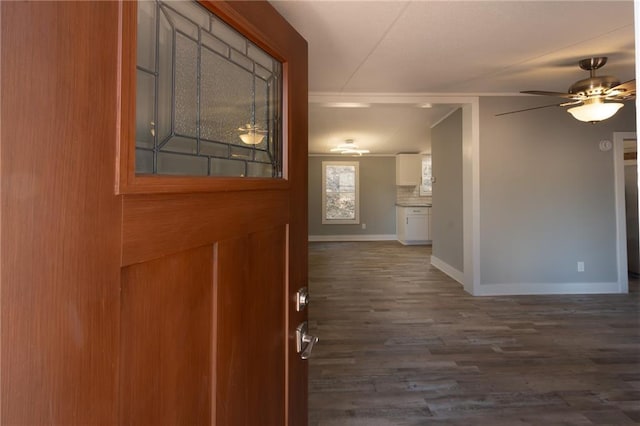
[408,169]
[413,225]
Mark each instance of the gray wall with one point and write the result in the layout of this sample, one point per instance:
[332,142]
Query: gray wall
[446,214]
[377,197]
[546,194]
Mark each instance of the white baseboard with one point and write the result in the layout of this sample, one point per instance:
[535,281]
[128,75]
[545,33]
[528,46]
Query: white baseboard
[415,242]
[546,288]
[447,269]
[363,237]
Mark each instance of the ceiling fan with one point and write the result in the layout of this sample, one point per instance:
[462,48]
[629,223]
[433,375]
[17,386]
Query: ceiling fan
[252,135]
[593,99]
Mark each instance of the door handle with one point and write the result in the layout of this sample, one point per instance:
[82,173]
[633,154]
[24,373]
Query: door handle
[302,299]
[304,341]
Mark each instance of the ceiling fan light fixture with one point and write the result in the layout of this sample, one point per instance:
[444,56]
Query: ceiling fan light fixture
[251,138]
[253,134]
[591,94]
[592,112]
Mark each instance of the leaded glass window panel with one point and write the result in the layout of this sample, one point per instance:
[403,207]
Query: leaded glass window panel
[426,186]
[208,100]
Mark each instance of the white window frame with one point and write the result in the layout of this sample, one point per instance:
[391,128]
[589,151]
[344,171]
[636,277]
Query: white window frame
[354,221]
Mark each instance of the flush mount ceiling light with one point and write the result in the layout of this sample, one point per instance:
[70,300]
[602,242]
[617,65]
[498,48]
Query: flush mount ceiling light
[346,105]
[252,135]
[349,147]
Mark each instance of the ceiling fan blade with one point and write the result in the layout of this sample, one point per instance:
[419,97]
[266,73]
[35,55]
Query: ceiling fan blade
[627,96]
[556,94]
[540,107]
[622,92]
[627,86]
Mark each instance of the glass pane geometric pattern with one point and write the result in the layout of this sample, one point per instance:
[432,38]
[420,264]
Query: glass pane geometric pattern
[426,186]
[340,192]
[208,101]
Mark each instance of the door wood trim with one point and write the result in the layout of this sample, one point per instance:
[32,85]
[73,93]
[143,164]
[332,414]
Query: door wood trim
[178,224]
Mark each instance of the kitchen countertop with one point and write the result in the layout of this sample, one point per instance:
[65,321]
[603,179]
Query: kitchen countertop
[413,205]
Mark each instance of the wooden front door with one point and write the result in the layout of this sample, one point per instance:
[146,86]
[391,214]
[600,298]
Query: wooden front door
[130,299]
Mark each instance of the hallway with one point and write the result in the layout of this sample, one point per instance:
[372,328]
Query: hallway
[402,344]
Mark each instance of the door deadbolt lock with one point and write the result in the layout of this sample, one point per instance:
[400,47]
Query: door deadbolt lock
[304,341]
[302,299]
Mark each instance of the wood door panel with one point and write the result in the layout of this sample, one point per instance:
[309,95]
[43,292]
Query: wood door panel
[60,220]
[157,225]
[250,323]
[165,366]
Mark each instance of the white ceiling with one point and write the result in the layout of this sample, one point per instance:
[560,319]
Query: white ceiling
[432,48]
[381,128]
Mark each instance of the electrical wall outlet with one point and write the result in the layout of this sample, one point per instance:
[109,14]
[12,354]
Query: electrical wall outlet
[580,266]
[364,226]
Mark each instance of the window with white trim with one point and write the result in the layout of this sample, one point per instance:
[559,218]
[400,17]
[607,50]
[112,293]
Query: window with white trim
[340,197]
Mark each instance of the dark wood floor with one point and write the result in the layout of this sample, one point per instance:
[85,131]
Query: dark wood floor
[402,344]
